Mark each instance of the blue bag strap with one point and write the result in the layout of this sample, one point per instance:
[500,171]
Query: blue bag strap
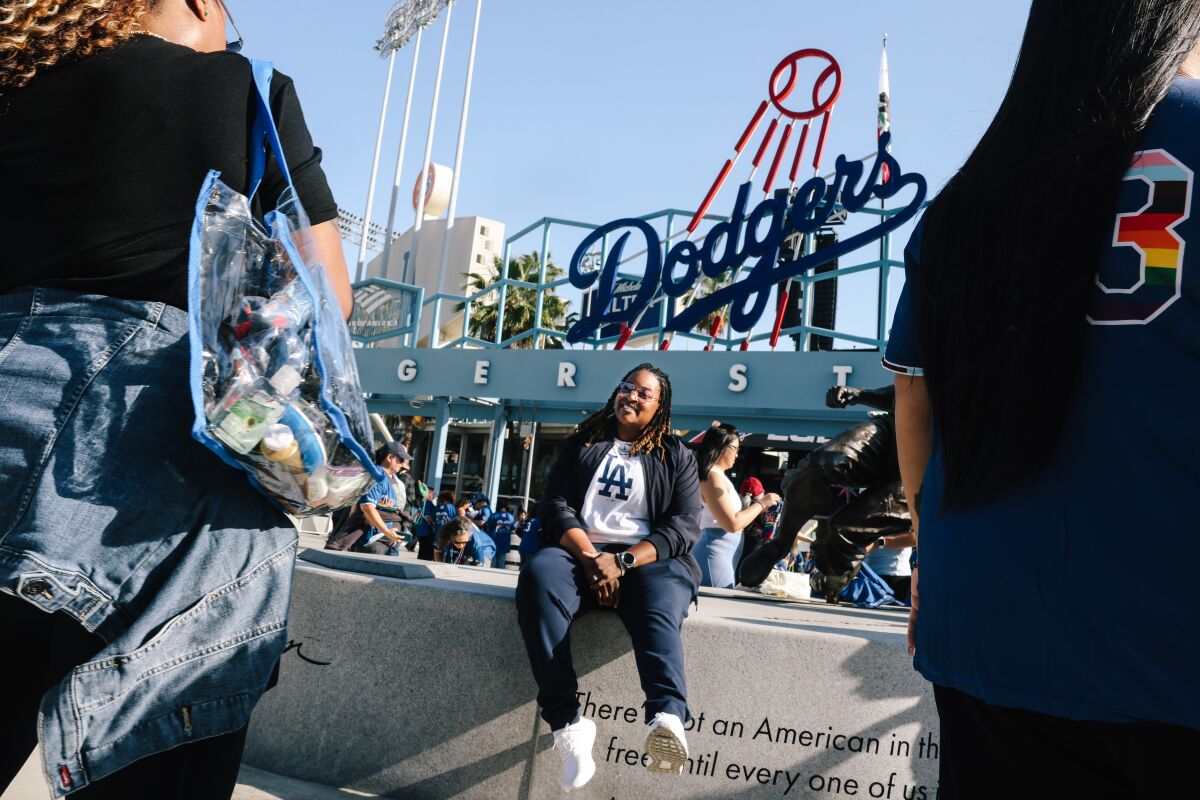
[264,128]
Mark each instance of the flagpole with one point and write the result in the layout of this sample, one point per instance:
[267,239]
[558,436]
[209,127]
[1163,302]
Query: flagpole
[885,108]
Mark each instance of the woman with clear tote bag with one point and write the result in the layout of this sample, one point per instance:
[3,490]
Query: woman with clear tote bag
[144,584]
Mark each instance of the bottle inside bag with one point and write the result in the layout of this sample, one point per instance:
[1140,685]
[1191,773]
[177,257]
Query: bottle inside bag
[252,406]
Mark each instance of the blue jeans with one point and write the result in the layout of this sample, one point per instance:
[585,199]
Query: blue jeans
[551,594]
[111,514]
[717,552]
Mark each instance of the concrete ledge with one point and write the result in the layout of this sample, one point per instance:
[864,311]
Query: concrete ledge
[418,687]
[368,564]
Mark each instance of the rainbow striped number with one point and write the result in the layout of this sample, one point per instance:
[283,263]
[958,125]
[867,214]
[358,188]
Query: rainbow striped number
[1151,231]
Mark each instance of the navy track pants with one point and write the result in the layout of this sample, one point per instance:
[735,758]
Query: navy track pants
[551,594]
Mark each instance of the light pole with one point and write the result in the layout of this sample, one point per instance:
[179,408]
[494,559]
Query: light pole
[387,90]
[423,175]
[462,134]
[391,223]
[405,19]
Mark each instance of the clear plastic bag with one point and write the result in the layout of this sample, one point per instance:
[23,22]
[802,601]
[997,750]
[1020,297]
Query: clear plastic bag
[274,383]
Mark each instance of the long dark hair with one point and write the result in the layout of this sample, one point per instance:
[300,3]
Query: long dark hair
[1013,242]
[710,447]
[603,424]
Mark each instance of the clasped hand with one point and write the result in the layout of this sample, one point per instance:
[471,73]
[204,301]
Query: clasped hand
[604,577]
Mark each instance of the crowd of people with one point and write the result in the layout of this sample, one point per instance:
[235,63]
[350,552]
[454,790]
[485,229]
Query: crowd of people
[1050,305]
[400,512]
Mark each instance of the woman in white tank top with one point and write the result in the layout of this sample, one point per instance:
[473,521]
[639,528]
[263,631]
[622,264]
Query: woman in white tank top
[722,515]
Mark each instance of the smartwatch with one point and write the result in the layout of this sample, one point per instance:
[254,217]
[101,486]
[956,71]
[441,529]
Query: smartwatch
[626,560]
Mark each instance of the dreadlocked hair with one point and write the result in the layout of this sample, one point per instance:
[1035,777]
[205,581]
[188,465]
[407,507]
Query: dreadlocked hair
[603,423]
[37,34]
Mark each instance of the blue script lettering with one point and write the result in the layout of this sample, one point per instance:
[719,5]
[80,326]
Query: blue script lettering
[732,243]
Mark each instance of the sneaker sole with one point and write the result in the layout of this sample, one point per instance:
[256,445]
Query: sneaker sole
[668,754]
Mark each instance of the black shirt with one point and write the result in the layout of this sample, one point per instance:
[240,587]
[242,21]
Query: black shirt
[101,162]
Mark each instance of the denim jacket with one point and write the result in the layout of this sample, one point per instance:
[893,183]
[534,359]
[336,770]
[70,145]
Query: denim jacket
[110,512]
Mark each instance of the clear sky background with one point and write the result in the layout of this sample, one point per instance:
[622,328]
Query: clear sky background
[593,111]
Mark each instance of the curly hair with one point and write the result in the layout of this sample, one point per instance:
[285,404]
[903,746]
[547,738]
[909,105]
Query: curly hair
[37,34]
[604,422]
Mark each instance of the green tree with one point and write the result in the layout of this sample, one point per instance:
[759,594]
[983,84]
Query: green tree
[709,286]
[520,302]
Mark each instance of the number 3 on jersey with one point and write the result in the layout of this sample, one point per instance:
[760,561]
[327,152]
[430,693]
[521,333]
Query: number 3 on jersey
[1150,231]
[613,475]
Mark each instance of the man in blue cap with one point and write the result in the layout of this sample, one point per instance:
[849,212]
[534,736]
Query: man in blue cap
[382,504]
[481,510]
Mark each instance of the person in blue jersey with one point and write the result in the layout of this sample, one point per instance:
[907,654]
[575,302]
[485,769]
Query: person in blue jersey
[435,518]
[480,510]
[529,530]
[619,520]
[500,527]
[381,507]
[425,531]
[1047,348]
[461,542]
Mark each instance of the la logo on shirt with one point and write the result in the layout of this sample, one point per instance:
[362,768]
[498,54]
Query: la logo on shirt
[612,479]
[614,507]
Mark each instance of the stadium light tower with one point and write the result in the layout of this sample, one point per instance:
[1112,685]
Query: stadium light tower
[462,133]
[406,19]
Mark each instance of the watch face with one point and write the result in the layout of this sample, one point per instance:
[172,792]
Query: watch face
[627,558]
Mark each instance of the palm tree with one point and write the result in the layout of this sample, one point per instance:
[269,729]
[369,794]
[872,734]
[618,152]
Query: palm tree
[520,302]
[709,286]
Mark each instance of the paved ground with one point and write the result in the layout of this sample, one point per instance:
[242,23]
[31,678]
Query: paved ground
[253,784]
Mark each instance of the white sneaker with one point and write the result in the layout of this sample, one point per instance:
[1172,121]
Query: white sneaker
[666,744]
[574,744]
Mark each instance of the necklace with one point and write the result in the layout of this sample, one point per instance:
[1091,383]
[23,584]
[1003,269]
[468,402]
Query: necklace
[151,33]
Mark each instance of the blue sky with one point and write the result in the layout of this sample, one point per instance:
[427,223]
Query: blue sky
[594,111]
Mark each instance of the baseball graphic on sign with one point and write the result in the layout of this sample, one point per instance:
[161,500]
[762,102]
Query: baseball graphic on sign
[437,190]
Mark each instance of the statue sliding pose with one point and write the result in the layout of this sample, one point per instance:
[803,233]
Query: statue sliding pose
[824,487]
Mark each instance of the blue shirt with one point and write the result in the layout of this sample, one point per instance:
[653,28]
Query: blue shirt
[425,525]
[530,542]
[1051,625]
[479,552]
[383,496]
[442,515]
[500,527]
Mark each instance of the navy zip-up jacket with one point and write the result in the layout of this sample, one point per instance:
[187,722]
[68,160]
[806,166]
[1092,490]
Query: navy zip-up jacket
[672,495]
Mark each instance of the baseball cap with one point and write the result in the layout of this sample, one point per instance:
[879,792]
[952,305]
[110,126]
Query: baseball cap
[753,487]
[397,449]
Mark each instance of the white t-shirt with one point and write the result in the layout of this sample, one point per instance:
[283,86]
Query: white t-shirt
[707,520]
[615,509]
